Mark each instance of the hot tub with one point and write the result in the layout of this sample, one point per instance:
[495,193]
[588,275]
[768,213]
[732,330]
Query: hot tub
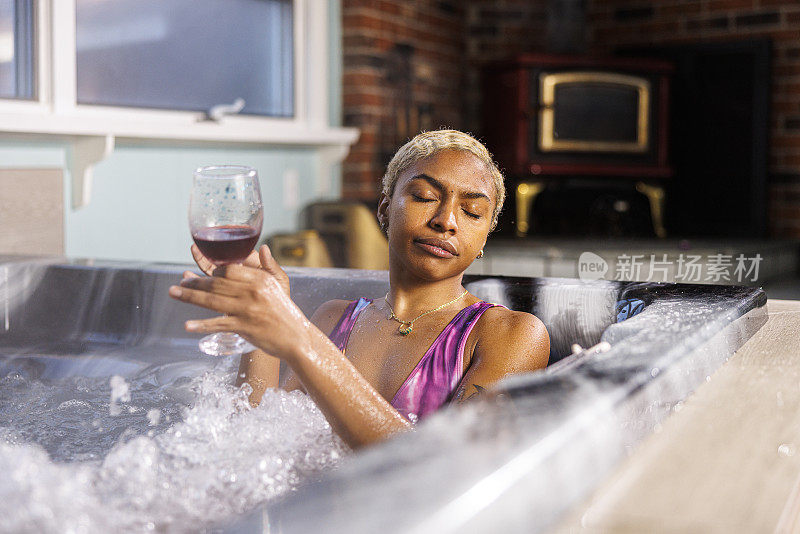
[514,461]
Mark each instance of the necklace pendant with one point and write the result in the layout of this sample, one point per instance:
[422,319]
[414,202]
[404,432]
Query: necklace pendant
[405,330]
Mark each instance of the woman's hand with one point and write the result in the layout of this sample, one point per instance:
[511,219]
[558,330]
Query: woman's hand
[258,259]
[256,303]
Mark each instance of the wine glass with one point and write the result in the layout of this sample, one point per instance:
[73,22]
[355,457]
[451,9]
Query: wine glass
[225,218]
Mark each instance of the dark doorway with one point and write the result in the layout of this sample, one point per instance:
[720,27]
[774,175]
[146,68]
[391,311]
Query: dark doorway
[719,122]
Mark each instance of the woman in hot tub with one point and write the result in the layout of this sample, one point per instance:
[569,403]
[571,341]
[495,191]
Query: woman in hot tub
[375,366]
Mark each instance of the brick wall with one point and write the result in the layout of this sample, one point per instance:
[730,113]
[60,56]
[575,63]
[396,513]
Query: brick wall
[614,23]
[404,71]
[499,30]
[413,65]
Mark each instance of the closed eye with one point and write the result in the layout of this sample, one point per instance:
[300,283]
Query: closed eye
[422,199]
[473,215]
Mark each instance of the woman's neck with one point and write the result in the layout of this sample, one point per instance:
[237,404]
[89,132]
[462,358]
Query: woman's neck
[412,297]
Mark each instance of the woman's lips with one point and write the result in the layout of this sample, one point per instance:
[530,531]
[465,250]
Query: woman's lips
[437,248]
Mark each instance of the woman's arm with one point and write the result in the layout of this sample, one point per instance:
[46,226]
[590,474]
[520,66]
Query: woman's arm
[260,310]
[261,371]
[256,368]
[325,318]
[509,342]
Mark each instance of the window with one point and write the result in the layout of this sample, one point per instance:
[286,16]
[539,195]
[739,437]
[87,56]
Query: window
[135,69]
[16,49]
[138,69]
[186,54]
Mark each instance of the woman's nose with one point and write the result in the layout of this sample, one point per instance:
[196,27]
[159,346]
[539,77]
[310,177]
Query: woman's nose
[444,220]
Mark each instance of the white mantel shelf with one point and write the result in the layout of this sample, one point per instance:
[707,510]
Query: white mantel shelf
[236,130]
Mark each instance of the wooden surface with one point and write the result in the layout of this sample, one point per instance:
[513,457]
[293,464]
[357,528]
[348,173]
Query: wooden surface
[728,460]
[31,211]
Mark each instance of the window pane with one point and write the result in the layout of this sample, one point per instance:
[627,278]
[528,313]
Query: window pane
[16,49]
[186,54]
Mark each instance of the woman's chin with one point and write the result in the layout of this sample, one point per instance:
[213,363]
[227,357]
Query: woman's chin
[435,269]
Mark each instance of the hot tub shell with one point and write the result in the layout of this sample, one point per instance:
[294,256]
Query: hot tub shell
[514,461]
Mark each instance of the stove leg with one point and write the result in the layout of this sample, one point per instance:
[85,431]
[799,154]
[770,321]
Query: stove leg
[655,195]
[526,194]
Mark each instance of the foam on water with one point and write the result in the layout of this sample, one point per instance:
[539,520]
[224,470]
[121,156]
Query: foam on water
[85,454]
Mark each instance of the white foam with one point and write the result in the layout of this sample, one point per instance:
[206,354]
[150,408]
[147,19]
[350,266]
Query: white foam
[120,392]
[136,471]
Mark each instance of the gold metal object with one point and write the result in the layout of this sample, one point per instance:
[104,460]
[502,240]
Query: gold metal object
[406,327]
[548,82]
[300,249]
[351,233]
[655,195]
[526,194]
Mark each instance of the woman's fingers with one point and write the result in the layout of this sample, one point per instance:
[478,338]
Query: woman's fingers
[240,273]
[190,274]
[266,260]
[220,303]
[252,260]
[208,267]
[204,263]
[213,284]
[209,326]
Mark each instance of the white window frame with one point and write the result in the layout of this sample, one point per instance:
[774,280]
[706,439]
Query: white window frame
[93,129]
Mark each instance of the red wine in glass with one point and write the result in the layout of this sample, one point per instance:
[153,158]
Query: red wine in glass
[230,243]
[225,217]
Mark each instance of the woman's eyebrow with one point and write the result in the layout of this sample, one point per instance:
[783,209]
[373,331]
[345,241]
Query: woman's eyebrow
[440,186]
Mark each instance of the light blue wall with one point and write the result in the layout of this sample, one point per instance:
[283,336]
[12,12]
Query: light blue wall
[140,194]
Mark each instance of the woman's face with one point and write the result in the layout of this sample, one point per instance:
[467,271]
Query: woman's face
[440,214]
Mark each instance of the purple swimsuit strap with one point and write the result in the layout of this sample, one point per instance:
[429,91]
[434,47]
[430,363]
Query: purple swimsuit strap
[434,379]
[341,332]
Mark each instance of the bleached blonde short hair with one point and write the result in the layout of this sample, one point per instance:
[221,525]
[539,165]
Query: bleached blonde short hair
[427,144]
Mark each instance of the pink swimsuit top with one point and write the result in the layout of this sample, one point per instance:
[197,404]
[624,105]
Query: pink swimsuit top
[433,381]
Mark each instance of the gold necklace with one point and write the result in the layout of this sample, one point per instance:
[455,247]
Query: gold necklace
[406,327]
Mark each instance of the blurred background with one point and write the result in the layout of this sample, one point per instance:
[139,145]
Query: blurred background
[661,130]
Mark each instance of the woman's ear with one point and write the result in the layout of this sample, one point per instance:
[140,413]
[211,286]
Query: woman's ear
[383,209]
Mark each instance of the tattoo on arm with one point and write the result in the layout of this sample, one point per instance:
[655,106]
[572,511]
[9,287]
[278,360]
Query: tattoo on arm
[478,391]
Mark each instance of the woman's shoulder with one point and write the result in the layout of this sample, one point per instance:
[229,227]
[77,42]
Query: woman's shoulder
[507,332]
[328,314]
[504,321]
[332,309]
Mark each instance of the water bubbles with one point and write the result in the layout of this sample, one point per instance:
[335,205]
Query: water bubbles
[153,416]
[119,392]
[219,457]
[654,372]
[786,449]
[72,403]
